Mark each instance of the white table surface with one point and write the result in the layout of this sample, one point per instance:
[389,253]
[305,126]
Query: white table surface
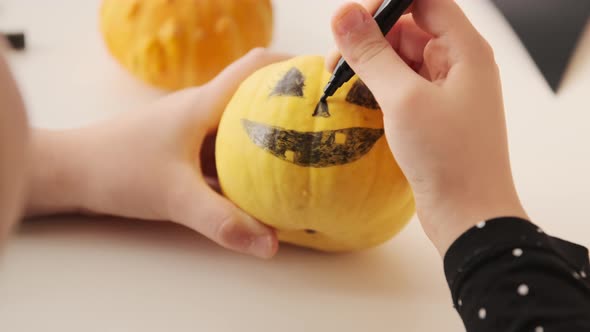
[76,274]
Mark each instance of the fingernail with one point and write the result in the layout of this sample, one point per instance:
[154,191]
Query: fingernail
[262,246]
[250,236]
[261,239]
[350,21]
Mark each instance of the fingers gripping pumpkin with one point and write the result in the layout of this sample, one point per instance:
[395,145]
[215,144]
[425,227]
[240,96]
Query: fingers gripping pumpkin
[322,175]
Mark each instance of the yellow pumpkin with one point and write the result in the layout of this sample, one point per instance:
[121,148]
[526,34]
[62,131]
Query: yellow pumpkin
[323,177]
[174,44]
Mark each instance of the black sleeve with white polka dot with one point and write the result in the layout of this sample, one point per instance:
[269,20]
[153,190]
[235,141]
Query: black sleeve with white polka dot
[506,274]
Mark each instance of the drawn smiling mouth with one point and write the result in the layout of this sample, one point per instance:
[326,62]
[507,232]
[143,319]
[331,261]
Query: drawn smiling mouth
[313,149]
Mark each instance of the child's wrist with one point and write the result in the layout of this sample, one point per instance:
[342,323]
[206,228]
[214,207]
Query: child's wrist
[447,222]
[58,181]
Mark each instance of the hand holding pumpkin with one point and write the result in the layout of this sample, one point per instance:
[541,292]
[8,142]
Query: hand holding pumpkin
[437,83]
[146,165]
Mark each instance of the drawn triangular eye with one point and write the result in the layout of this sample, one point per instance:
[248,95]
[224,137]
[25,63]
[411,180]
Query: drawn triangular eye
[291,84]
[360,95]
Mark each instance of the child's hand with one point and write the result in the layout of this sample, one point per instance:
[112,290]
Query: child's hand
[437,82]
[147,165]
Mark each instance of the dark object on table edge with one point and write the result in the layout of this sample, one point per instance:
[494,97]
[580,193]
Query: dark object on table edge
[16,40]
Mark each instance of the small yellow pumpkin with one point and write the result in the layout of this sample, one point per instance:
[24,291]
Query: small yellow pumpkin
[322,175]
[174,44]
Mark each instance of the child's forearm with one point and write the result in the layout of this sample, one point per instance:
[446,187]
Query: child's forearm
[145,165]
[58,175]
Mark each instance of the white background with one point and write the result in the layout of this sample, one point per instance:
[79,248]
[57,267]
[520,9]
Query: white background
[72,274]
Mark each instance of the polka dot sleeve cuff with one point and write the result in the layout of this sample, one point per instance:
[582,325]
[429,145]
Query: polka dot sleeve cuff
[506,274]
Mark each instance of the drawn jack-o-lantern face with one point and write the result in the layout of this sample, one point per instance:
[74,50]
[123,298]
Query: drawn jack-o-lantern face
[322,175]
[315,148]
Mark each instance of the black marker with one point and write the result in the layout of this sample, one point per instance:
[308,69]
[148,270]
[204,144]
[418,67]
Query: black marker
[386,16]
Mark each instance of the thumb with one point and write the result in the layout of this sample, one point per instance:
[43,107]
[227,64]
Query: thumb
[368,52]
[224,85]
[202,209]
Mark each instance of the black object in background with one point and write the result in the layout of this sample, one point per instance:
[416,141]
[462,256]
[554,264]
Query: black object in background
[16,41]
[549,29]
